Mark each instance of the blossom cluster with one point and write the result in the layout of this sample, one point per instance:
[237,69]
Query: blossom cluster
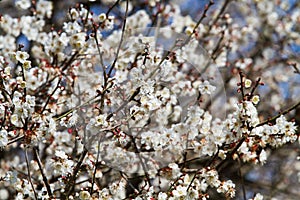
[144,103]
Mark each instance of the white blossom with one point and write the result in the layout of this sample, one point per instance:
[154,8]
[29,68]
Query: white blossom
[22,56]
[3,138]
[23,4]
[206,88]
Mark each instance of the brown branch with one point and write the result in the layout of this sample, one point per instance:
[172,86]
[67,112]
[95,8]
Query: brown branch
[242,140]
[70,61]
[71,180]
[110,9]
[15,140]
[277,116]
[121,41]
[99,52]
[49,97]
[95,169]
[219,14]
[242,179]
[45,180]
[29,175]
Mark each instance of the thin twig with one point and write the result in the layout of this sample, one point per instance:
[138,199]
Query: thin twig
[211,2]
[137,150]
[66,65]
[242,140]
[277,116]
[216,48]
[95,169]
[99,53]
[24,79]
[71,180]
[242,179]
[15,140]
[42,172]
[176,46]
[29,175]
[110,9]
[128,182]
[50,96]
[219,14]
[121,41]
[136,92]
[242,84]
[255,86]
